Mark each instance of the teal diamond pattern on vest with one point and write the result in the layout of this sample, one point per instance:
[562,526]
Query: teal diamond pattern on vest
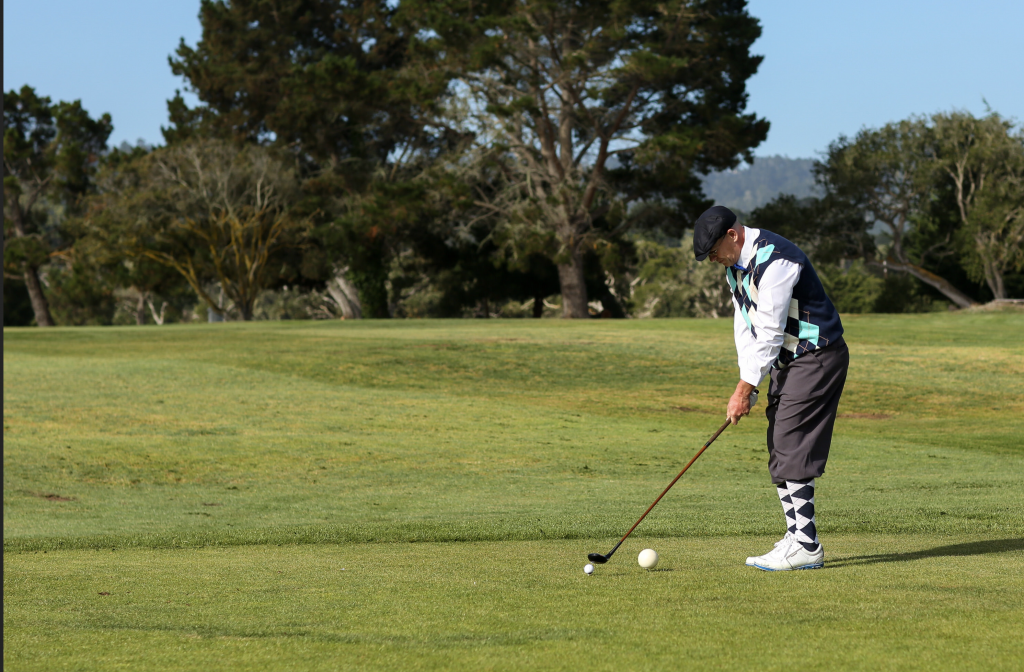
[763,254]
[808,332]
[741,289]
[746,317]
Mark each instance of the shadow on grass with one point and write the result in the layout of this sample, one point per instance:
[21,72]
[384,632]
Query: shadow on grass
[955,550]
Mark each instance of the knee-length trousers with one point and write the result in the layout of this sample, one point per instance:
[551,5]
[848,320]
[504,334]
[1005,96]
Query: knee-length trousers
[802,402]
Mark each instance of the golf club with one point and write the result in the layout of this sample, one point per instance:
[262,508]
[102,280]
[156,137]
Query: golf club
[601,559]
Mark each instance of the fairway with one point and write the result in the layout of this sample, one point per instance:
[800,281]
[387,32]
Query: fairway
[373,495]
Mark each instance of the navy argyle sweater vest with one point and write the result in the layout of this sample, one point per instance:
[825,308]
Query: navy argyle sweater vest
[813,321]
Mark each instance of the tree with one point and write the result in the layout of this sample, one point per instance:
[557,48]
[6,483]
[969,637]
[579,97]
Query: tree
[669,282]
[325,77]
[593,105]
[350,87]
[984,161]
[358,88]
[210,210]
[452,267]
[99,260]
[50,153]
[828,229]
[889,175]
[853,289]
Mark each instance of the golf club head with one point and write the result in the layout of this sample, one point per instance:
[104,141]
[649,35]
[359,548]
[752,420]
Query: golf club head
[597,558]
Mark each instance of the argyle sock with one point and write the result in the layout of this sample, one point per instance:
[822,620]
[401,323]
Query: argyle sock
[787,507]
[802,494]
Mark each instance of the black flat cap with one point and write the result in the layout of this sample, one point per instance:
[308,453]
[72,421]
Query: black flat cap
[709,227]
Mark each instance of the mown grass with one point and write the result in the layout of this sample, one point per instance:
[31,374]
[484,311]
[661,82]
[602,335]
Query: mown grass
[205,455]
[886,603]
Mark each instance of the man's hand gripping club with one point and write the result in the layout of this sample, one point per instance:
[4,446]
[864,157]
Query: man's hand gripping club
[741,401]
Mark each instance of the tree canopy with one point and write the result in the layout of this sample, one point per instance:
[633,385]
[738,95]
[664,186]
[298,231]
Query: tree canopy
[208,209]
[373,158]
[904,176]
[50,154]
[584,107]
[588,107]
[982,163]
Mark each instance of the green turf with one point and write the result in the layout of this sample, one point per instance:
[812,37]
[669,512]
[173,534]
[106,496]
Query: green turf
[209,455]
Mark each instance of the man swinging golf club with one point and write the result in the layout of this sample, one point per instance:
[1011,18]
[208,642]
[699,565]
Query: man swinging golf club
[784,324]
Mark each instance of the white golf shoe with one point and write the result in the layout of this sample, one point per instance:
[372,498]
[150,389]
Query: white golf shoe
[780,546]
[789,554]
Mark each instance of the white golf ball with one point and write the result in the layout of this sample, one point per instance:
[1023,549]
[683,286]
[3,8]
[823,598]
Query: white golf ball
[648,558]
[589,569]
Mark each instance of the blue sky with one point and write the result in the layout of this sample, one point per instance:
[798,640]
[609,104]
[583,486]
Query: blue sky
[829,67]
[835,67]
[111,54]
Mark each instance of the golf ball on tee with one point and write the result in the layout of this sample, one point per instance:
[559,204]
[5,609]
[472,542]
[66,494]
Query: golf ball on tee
[589,569]
[648,558]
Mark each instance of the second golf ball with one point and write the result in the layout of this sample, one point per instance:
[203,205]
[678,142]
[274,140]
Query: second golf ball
[648,558]
[589,569]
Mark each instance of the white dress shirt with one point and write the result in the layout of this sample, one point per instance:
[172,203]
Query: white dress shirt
[774,293]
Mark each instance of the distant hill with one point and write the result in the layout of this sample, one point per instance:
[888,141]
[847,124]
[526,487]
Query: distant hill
[750,187]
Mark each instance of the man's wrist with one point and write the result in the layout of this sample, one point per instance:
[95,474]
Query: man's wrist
[743,388]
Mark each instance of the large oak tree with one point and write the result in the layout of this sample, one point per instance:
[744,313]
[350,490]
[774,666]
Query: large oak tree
[594,105]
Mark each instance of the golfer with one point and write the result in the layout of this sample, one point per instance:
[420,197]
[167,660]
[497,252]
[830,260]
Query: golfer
[785,325]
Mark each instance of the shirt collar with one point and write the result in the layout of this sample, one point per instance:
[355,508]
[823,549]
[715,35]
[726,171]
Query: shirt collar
[747,252]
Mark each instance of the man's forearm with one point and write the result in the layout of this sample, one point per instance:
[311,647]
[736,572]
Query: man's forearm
[743,389]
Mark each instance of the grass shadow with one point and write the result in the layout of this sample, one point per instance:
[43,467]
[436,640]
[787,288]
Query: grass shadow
[955,550]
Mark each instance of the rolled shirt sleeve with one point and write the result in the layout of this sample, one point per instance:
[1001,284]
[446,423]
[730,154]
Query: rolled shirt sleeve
[774,293]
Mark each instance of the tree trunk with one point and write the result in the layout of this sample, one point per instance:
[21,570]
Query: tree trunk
[538,306]
[574,289]
[929,278]
[994,279]
[157,317]
[140,310]
[1000,289]
[40,306]
[345,295]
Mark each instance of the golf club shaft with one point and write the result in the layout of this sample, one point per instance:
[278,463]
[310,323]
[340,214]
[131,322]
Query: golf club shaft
[692,460]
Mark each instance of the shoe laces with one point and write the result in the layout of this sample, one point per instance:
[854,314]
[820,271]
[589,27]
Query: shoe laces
[781,546]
